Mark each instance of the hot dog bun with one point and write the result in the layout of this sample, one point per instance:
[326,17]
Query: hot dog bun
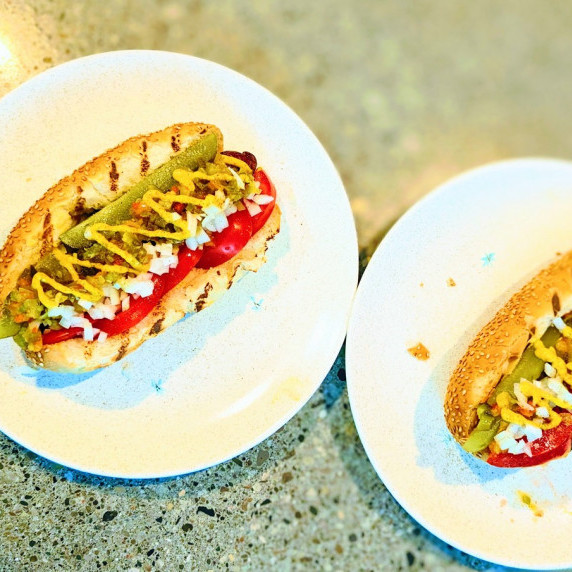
[91,187]
[497,348]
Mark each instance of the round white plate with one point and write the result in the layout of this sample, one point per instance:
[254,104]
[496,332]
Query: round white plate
[221,381]
[439,275]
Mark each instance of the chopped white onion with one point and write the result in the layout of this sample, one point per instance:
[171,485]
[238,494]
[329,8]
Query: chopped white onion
[549,370]
[62,311]
[532,433]
[220,222]
[141,285]
[200,238]
[102,310]
[149,248]
[158,266]
[521,398]
[89,332]
[239,181]
[252,208]
[516,430]
[79,322]
[517,448]
[542,412]
[165,249]
[505,440]
[261,199]
[556,386]
[111,293]
[192,224]
[102,336]
[230,209]
[215,219]
[85,304]
[559,323]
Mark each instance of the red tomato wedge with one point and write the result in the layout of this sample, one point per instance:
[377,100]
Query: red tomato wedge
[55,336]
[187,261]
[554,443]
[266,188]
[138,309]
[228,243]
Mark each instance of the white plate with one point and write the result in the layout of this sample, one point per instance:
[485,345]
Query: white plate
[488,230]
[219,382]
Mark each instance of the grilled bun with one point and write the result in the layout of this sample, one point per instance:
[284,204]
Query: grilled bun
[497,348]
[90,188]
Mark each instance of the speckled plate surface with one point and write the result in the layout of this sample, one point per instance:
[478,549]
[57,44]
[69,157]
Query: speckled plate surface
[218,382]
[439,275]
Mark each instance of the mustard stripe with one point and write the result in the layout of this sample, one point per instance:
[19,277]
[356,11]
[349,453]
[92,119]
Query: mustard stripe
[549,355]
[40,278]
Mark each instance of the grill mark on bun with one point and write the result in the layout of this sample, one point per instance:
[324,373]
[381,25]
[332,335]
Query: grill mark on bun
[556,304]
[113,176]
[122,349]
[47,235]
[202,299]
[144,159]
[156,327]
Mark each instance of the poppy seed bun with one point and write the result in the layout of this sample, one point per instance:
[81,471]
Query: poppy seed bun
[497,348]
[93,186]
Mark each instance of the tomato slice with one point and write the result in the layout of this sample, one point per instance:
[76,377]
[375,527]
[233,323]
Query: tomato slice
[266,188]
[138,309]
[229,242]
[554,443]
[187,261]
[55,336]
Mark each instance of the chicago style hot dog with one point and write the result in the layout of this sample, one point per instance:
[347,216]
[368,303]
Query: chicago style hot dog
[509,400]
[129,243]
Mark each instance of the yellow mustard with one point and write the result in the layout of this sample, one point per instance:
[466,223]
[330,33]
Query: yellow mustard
[91,292]
[152,199]
[549,355]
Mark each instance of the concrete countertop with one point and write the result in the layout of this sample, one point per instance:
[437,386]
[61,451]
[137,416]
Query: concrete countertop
[403,96]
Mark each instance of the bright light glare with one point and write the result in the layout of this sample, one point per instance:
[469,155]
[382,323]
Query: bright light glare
[5,53]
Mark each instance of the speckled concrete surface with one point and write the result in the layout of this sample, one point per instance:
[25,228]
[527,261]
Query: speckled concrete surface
[403,96]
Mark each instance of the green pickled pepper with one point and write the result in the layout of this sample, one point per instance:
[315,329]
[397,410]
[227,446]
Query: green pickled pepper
[483,434]
[529,366]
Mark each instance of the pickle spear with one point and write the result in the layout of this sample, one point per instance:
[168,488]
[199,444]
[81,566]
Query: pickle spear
[119,210]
